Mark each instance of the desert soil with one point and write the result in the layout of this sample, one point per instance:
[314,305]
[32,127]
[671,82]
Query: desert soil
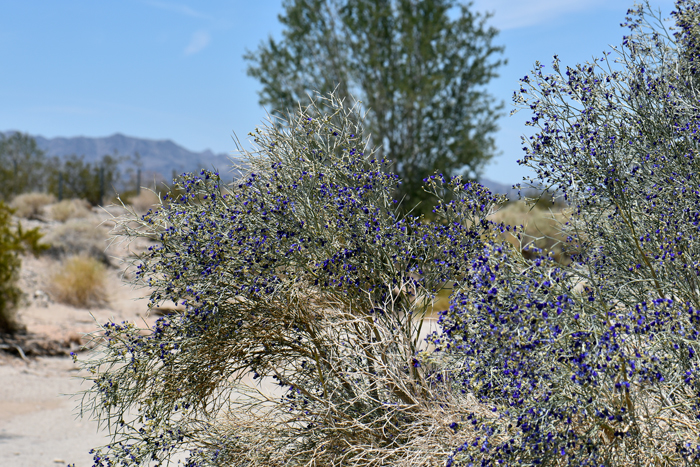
[39,422]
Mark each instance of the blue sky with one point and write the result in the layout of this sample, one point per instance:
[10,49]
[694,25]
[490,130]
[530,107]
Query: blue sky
[174,69]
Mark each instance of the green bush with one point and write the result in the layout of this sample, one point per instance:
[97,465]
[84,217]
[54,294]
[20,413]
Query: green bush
[13,241]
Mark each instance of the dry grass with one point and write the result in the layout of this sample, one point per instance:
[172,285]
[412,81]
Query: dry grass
[540,223]
[146,200]
[31,205]
[79,282]
[69,209]
[78,237]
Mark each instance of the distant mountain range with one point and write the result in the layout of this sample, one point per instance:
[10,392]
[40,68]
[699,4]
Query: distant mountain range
[157,156]
[164,156]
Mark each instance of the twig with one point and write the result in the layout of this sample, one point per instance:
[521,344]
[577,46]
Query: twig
[17,348]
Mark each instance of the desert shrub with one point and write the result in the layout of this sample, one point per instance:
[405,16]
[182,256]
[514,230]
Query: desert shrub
[304,277]
[79,281]
[31,205]
[77,237]
[539,227]
[69,209]
[607,373]
[13,241]
[145,200]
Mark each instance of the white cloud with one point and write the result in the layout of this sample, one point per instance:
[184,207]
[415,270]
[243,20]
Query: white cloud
[510,14]
[199,41]
[182,9]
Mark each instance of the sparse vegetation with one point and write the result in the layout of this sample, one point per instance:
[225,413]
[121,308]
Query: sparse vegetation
[31,205]
[77,178]
[541,227]
[23,165]
[145,200]
[25,168]
[78,237]
[80,282]
[69,209]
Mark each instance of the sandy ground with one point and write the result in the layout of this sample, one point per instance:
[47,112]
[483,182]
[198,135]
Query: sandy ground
[39,425]
[38,419]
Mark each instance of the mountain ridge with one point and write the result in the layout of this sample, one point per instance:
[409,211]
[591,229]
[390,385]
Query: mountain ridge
[156,156]
[163,156]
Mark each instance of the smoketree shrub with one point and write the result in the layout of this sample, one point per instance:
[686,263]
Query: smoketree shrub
[596,363]
[303,279]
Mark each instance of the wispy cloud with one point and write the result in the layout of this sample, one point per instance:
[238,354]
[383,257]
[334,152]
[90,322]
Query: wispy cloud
[181,9]
[512,15]
[58,109]
[199,41]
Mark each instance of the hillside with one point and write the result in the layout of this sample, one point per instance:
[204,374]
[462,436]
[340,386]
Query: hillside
[157,156]
[164,156]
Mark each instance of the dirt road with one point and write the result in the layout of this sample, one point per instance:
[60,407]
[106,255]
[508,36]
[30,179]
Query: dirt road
[38,425]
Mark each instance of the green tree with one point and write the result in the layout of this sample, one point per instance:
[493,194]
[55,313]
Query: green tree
[22,165]
[419,66]
[83,179]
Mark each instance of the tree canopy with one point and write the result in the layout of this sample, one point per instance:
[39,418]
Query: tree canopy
[418,66]
[22,165]
[86,180]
